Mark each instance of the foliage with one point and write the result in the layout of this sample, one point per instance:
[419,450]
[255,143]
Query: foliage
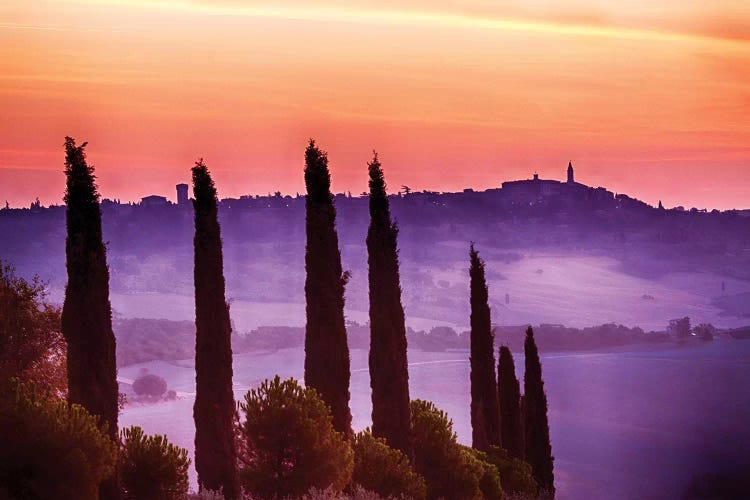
[32,347]
[679,327]
[152,467]
[536,425]
[509,397]
[290,444]
[485,412]
[385,470]
[87,314]
[49,449]
[140,340]
[705,331]
[326,350]
[489,481]
[449,470]
[389,372]
[213,411]
[515,475]
[150,385]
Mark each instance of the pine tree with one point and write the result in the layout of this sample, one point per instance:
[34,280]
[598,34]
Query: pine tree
[485,412]
[326,349]
[389,372]
[215,453]
[536,426]
[87,314]
[509,396]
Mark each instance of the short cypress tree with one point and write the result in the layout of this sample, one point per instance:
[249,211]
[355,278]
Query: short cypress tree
[509,396]
[485,411]
[326,348]
[213,411]
[87,314]
[389,372]
[536,426]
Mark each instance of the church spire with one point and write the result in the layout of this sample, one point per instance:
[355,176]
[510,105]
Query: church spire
[570,173]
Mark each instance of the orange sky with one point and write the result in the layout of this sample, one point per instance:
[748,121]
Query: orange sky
[647,98]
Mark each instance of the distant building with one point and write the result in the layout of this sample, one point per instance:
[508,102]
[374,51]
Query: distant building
[536,189]
[154,201]
[182,195]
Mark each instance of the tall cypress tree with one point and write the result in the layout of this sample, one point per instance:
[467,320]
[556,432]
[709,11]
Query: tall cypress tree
[536,426]
[87,314]
[485,411]
[326,348]
[509,396]
[389,372]
[215,453]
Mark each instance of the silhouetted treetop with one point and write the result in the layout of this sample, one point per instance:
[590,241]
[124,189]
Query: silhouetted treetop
[317,175]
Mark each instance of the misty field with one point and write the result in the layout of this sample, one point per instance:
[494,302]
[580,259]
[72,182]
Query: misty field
[623,425]
[576,291]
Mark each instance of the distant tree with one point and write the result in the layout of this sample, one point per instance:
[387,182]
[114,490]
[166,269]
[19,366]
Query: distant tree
[705,331]
[679,327]
[385,470]
[536,425]
[509,396]
[485,411]
[150,385]
[289,442]
[32,347]
[49,448]
[661,207]
[213,411]
[326,349]
[389,372]
[450,471]
[151,467]
[87,315]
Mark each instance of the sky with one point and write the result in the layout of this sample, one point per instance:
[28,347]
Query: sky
[651,99]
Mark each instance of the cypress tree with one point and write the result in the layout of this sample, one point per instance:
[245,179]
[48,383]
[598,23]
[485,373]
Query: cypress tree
[509,396]
[215,452]
[536,426]
[485,411]
[87,314]
[389,372]
[326,349]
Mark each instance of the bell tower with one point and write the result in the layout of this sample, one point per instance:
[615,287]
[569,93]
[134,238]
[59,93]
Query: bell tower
[570,173]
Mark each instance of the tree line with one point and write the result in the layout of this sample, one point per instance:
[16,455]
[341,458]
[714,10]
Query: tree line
[294,438]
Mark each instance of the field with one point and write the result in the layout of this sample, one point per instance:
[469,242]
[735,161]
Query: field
[623,425]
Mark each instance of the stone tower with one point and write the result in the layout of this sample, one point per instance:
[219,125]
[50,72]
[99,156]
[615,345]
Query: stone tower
[570,173]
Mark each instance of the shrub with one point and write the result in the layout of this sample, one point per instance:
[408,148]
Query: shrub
[290,444]
[449,470]
[152,467]
[515,475]
[385,470]
[150,385]
[48,448]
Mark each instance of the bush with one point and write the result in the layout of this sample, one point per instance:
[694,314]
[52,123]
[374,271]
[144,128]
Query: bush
[515,475]
[152,467]
[32,347]
[449,470]
[49,449]
[385,470]
[289,443]
[150,385]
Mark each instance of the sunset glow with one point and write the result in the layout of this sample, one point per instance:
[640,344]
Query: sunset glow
[649,101]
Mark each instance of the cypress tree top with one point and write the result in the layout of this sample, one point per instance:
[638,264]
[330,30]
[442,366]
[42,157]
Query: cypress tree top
[326,348]
[389,372]
[485,411]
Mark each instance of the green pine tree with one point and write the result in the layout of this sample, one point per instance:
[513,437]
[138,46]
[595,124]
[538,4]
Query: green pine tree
[326,348]
[87,314]
[213,411]
[536,426]
[485,411]
[389,372]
